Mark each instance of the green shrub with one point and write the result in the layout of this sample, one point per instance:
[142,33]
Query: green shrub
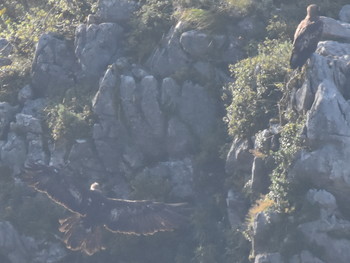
[65,123]
[290,145]
[257,88]
[149,24]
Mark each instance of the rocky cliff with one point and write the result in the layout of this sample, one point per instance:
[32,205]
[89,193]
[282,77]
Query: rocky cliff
[155,128]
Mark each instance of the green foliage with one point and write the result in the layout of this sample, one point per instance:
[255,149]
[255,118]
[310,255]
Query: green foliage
[257,88]
[65,123]
[148,25]
[290,145]
[202,19]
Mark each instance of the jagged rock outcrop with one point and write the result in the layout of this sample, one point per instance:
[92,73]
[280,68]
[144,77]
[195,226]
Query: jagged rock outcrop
[17,248]
[323,164]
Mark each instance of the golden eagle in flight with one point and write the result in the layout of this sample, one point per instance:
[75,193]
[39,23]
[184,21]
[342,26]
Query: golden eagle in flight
[306,37]
[92,211]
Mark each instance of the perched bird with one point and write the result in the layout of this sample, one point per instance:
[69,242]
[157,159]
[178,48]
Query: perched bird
[92,211]
[306,37]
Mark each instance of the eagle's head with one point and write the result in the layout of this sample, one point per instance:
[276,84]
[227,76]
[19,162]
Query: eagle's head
[95,187]
[313,11]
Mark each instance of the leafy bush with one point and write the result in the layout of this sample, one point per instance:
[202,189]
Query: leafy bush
[148,25]
[65,123]
[290,145]
[257,88]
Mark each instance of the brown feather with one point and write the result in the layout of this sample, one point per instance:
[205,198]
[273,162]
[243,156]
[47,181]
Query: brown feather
[306,37]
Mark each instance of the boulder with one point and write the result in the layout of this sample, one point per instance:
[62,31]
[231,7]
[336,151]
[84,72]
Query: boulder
[269,258]
[5,47]
[109,134]
[170,94]
[14,152]
[96,46]
[7,114]
[115,11]
[239,158]
[54,65]
[330,236]
[169,58]
[334,30]
[179,141]
[25,94]
[196,43]
[344,14]
[198,109]
[305,257]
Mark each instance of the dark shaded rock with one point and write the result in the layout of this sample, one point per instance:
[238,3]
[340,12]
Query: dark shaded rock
[236,208]
[179,141]
[197,109]
[150,106]
[169,57]
[5,47]
[176,175]
[138,107]
[14,152]
[115,11]
[25,94]
[329,235]
[269,258]
[96,46]
[196,43]
[305,257]
[7,114]
[239,158]
[260,181]
[53,66]
[170,94]
[35,107]
[5,62]
[109,134]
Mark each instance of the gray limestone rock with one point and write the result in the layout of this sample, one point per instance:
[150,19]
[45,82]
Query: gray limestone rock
[96,46]
[7,114]
[269,258]
[305,257]
[5,62]
[5,47]
[25,94]
[109,134]
[344,14]
[35,107]
[169,57]
[333,29]
[330,236]
[14,152]
[239,158]
[329,117]
[197,109]
[324,200]
[176,175]
[53,66]
[170,94]
[197,44]
[115,11]
[150,106]
[236,208]
[179,141]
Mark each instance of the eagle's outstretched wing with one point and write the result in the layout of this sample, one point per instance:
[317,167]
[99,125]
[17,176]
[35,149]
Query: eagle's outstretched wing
[93,211]
[144,217]
[59,188]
